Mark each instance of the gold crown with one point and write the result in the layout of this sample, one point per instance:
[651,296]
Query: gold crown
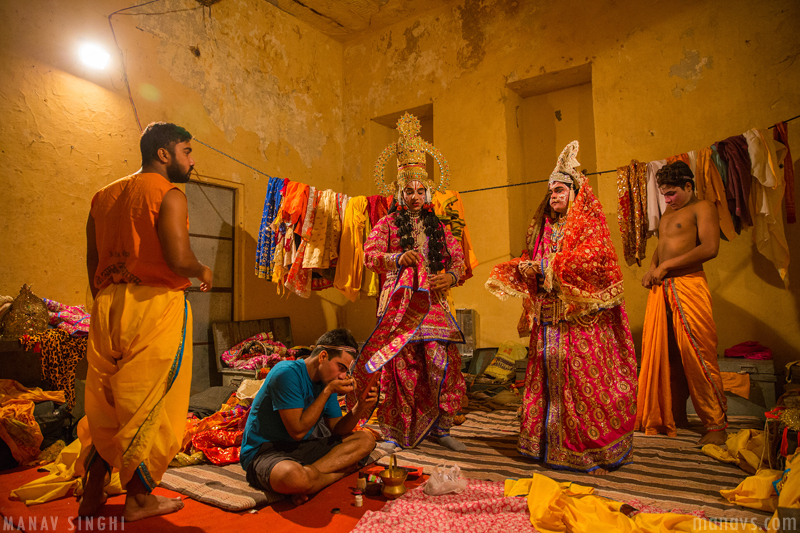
[410,151]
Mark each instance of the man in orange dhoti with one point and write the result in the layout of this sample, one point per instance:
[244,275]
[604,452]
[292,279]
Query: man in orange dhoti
[139,262]
[679,342]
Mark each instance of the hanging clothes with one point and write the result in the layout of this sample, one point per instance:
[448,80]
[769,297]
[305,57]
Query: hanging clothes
[655,200]
[265,249]
[781,134]
[722,167]
[766,156]
[323,241]
[371,280]
[632,210]
[341,203]
[378,207]
[709,179]
[686,158]
[293,208]
[290,216]
[298,279]
[450,210]
[692,155]
[350,268]
[733,152]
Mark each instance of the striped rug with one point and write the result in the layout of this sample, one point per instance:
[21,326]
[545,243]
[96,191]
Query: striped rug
[667,473]
[226,487]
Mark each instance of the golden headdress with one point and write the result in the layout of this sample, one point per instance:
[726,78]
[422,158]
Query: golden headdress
[410,151]
[566,170]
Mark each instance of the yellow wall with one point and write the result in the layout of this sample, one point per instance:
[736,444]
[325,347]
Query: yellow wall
[666,77]
[282,97]
[265,88]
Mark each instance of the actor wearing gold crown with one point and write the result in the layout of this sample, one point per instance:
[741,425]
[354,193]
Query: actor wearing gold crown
[579,406]
[412,347]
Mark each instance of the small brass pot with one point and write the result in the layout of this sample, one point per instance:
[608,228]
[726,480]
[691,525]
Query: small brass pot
[393,480]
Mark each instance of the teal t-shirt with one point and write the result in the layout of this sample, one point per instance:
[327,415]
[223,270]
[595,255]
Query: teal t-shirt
[287,386]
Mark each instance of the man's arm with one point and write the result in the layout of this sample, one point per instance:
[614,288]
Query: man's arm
[174,237]
[707,220]
[344,425]
[647,279]
[299,421]
[92,257]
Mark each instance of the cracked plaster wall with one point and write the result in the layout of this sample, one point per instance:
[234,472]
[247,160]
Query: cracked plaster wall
[243,77]
[281,96]
[665,79]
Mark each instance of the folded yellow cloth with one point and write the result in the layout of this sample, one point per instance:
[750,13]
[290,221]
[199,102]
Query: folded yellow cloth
[789,488]
[560,507]
[756,491]
[744,449]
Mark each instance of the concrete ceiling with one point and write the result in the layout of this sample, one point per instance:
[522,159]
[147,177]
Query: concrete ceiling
[348,19]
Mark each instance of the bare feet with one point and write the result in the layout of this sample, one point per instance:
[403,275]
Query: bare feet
[93,494]
[147,505]
[714,437]
[598,472]
[451,443]
[299,499]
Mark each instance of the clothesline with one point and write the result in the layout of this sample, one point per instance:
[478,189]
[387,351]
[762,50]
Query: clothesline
[589,174]
[138,122]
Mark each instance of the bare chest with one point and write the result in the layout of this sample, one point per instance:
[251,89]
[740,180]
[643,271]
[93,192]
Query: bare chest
[678,224]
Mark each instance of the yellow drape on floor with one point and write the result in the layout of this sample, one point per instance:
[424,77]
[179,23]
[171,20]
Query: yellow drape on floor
[756,491]
[18,429]
[560,507]
[60,480]
[744,448]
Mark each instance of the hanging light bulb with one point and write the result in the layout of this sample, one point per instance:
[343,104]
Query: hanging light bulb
[93,56]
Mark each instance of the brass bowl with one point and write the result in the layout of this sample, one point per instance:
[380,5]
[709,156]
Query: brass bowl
[393,480]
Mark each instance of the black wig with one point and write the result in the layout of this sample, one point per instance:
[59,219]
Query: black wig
[437,249]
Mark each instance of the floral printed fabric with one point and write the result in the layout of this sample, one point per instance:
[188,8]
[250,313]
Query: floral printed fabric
[481,507]
[256,352]
[71,318]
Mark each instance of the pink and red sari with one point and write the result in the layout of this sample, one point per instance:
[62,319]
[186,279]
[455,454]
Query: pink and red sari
[412,348]
[579,405]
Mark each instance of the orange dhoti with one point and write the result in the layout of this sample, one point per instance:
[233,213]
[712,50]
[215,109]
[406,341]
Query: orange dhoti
[686,302]
[137,387]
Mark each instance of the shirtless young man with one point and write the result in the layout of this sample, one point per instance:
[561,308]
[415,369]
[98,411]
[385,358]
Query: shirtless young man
[679,316]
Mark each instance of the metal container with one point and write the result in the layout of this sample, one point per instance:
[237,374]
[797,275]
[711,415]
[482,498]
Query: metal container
[468,323]
[762,377]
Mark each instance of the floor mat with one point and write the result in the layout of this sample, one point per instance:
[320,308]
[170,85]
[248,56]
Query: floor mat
[220,486]
[226,487]
[667,473]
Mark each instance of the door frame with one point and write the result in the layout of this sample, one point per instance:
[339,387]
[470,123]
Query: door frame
[238,236]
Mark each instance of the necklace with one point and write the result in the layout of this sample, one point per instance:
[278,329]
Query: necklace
[418,234]
[557,233]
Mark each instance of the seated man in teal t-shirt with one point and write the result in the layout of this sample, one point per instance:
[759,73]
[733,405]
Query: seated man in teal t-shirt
[296,440]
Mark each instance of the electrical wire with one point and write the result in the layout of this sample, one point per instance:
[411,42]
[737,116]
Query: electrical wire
[139,123]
